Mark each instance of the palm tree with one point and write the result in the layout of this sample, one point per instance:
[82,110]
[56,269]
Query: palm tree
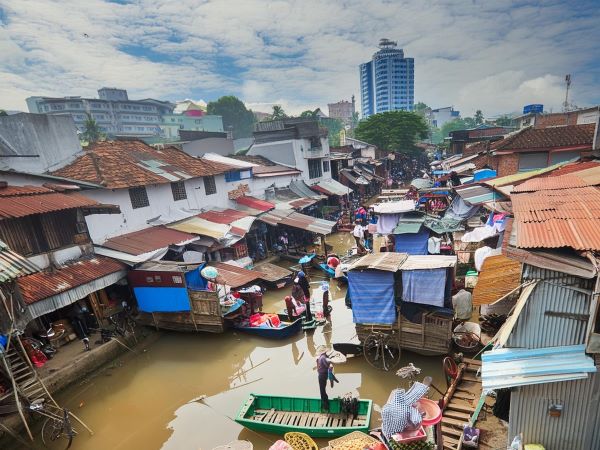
[92,132]
[478,117]
[278,113]
[309,114]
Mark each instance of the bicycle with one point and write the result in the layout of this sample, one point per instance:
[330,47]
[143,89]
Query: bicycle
[57,427]
[382,350]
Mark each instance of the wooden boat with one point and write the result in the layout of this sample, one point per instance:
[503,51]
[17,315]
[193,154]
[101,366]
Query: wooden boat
[279,415]
[285,329]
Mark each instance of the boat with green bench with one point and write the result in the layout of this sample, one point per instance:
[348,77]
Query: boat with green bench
[279,415]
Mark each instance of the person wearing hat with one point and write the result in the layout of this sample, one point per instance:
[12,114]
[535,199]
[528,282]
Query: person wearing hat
[303,283]
[323,363]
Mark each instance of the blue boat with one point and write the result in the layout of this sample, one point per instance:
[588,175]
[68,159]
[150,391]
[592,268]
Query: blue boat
[285,329]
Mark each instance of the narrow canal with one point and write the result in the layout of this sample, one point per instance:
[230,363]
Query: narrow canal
[149,400]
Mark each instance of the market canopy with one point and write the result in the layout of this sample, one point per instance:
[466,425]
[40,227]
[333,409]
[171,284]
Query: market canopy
[301,189]
[297,220]
[388,261]
[196,225]
[400,206]
[353,177]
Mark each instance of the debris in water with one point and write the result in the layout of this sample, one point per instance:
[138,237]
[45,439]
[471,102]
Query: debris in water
[81,404]
[200,398]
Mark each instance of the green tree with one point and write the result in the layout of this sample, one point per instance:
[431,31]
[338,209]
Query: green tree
[3,113]
[278,113]
[393,130]
[92,132]
[453,125]
[234,114]
[478,117]
[420,108]
[504,121]
[309,114]
[334,126]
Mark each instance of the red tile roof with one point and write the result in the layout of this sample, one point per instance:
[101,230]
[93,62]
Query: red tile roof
[147,240]
[41,285]
[255,203]
[123,164]
[532,139]
[21,201]
[558,218]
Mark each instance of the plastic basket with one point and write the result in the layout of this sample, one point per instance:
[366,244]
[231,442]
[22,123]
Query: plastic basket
[362,440]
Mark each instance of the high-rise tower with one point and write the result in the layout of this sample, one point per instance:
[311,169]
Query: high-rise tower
[387,82]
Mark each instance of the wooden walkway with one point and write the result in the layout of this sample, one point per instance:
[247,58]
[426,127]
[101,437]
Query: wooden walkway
[306,419]
[460,403]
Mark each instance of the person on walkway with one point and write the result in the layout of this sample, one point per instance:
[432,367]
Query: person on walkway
[358,234]
[303,282]
[323,364]
[291,308]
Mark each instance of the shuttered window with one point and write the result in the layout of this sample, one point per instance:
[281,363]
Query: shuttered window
[178,190]
[209,185]
[138,197]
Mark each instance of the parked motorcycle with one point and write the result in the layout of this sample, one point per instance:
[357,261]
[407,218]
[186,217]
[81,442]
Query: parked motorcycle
[45,347]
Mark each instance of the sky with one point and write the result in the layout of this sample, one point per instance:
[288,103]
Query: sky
[495,55]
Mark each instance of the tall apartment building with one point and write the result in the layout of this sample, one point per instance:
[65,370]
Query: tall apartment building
[112,110]
[387,82]
[343,110]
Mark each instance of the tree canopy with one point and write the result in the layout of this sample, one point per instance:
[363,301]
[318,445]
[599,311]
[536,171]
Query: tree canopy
[278,113]
[3,113]
[393,130]
[478,117]
[92,132]
[235,115]
[309,114]
[420,108]
[504,121]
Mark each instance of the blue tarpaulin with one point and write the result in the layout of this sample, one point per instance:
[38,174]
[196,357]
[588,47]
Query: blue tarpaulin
[162,299]
[195,281]
[426,286]
[372,296]
[412,243]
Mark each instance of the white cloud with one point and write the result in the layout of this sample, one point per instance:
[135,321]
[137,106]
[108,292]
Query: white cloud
[495,56]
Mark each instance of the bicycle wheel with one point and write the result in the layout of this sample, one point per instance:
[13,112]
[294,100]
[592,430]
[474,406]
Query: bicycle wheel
[382,351]
[57,432]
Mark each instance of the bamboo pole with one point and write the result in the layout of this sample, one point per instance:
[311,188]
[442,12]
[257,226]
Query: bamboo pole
[16,392]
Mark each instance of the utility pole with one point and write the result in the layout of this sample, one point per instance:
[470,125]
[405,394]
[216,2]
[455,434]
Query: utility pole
[568,83]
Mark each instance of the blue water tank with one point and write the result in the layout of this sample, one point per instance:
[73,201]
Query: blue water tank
[535,108]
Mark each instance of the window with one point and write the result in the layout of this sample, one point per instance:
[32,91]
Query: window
[209,185]
[179,192]
[138,197]
[558,157]
[531,161]
[325,166]
[314,168]
[233,176]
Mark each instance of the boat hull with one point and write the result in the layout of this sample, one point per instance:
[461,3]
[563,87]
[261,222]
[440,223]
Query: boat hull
[280,415]
[274,333]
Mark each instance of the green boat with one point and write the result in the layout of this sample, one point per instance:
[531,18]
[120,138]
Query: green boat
[279,415]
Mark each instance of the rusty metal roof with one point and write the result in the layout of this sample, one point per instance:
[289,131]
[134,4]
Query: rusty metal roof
[234,276]
[255,203]
[297,220]
[226,216]
[147,240]
[558,218]
[499,275]
[272,272]
[41,285]
[13,265]
[21,201]
[388,261]
[587,176]
[575,167]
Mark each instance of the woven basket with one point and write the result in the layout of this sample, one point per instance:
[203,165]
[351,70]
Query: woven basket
[347,442]
[300,441]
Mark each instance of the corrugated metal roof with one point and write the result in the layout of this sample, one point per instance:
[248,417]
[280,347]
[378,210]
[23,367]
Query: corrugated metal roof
[147,240]
[225,216]
[511,367]
[354,179]
[331,187]
[521,176]
[400,206]
[478,194]
[559,218]
[272,272]
[13,265]
[234,276]
[575,167]
[41,285]
[21,201]
[297,220]
[196,225]
[499,275]
[301,189]
[255,203]
[388,261]
[409,225]
[422,262]
[583,178]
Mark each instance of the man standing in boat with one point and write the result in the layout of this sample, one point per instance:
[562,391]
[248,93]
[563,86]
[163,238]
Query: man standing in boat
[323,364]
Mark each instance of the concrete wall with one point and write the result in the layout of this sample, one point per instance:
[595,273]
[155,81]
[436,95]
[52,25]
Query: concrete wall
[49,142]
[220,146]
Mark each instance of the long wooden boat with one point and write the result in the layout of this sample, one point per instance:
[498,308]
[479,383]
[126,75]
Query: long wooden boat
[285,329]
[279,415]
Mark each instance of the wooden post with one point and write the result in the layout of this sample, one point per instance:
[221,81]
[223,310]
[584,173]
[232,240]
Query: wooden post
[324,247]
[16,392]
[94,303]
[154,320]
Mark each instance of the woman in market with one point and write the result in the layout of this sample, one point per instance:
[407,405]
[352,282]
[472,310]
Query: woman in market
[303,283]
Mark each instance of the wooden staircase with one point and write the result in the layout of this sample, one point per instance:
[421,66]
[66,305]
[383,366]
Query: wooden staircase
[460,403]
[26,379]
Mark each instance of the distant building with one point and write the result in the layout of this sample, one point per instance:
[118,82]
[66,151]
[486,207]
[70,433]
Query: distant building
[112,110]
[173,123]
[539,119]
[438,117]
[260,116]
[387,82]
[343,110]
[298,142]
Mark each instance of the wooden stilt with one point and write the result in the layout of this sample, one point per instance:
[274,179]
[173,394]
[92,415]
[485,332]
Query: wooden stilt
[16,392]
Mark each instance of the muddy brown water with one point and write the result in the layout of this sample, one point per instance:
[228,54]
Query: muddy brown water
[147,401]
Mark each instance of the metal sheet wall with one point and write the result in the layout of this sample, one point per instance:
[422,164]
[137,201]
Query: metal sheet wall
[535,329]
[578,427]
